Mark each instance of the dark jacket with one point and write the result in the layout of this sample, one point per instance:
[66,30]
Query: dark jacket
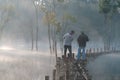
[82,39]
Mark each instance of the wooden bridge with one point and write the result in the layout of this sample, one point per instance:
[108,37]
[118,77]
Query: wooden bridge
[71,69]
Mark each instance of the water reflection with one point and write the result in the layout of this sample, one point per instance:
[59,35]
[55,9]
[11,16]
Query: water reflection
[106,67]
[24,65]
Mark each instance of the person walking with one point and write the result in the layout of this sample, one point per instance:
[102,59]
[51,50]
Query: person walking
[68,38]
[82,40]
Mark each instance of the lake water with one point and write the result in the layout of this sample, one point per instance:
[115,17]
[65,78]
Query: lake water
[105,67]
[25,65]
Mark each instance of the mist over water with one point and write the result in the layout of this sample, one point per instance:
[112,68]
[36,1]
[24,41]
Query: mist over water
[21,26]
[25,65]
[105,67]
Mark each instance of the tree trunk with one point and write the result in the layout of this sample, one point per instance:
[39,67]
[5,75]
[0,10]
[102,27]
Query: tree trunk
[49,33]
[37,23]
[32,39]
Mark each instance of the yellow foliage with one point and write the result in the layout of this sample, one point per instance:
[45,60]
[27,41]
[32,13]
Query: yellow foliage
[69,17]
[49,18]
[58,27]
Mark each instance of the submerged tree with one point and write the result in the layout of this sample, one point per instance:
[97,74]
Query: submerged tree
[50,20]
[108,8]
[36,5]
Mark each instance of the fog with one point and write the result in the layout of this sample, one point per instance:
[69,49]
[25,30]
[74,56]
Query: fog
[25,65]
[18,20]
[22,18]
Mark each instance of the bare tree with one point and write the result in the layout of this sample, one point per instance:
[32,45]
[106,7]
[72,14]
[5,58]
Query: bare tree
[36,6]
[109,9]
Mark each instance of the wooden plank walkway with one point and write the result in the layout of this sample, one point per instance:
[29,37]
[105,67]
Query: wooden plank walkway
[71,69]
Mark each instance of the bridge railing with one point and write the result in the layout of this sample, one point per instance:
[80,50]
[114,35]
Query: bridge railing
[100,50]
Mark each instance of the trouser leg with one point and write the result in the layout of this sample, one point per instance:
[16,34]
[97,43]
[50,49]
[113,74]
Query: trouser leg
[65,50]
[70,50]
[78,54]
[83,54]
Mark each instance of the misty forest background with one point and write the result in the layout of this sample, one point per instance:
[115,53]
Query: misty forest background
[40,24]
